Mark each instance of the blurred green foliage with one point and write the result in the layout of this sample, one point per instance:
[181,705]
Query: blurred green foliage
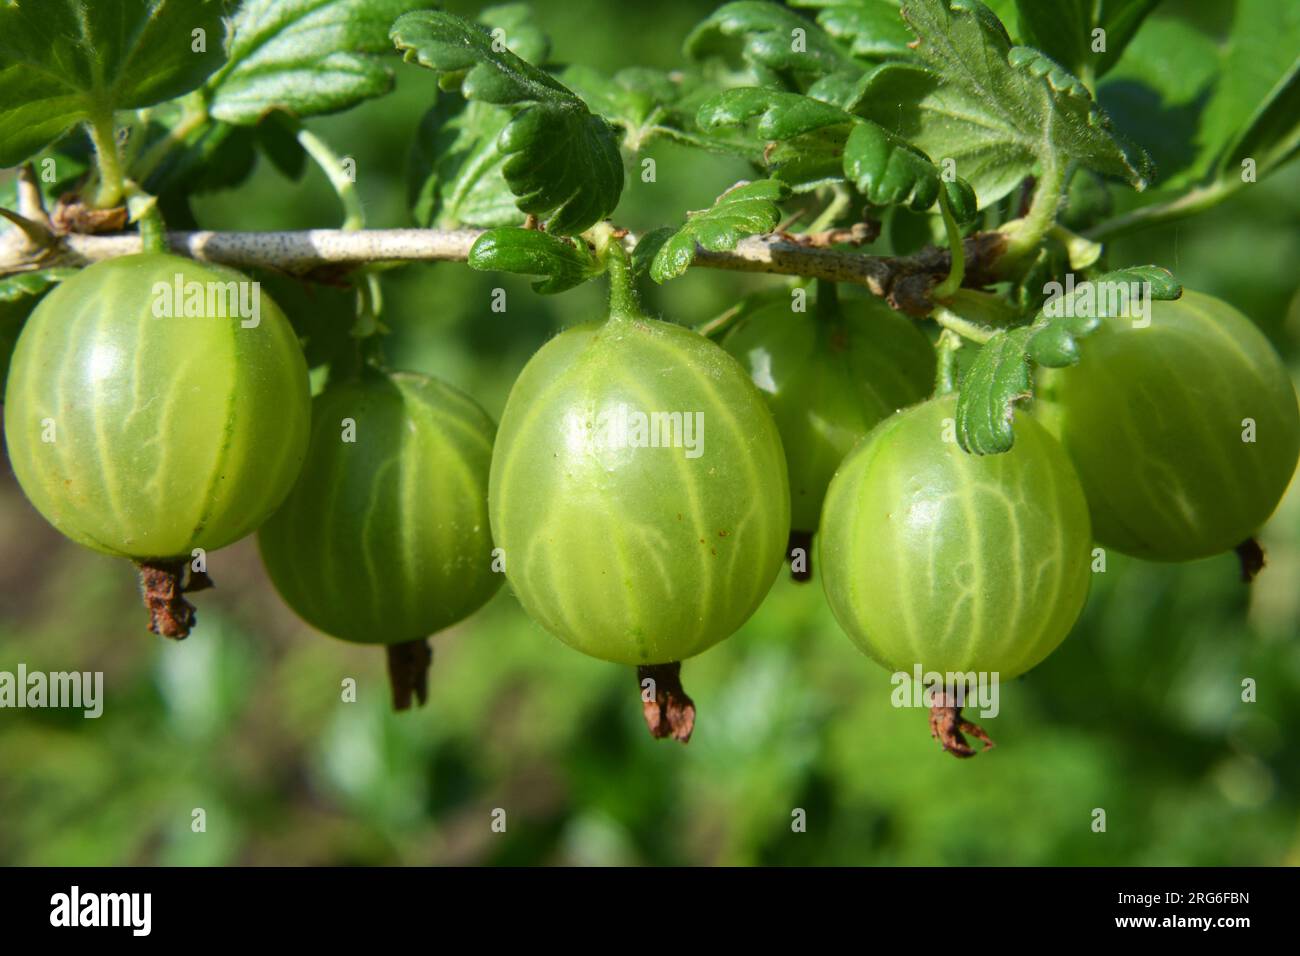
[1139,713]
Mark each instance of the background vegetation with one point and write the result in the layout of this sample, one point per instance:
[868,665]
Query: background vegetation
[1139,713]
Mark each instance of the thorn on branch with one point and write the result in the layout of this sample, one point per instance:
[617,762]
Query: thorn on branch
[30,201]
[38,235]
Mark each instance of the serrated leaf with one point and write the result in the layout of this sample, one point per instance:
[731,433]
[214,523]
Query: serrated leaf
[891,172]
[744,210]
[1001,374]
[996,110]
[648,104]
[777,115]
[647,248]
[456,177]
[871,29]
[805,137]
[305,57]
[811,143]
[62,60]
[998,377]
[456,170]
[778,43]
[565,263]
[562,161]
[23,284]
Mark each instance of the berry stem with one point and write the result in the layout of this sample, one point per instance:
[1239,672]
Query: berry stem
[827,307]
[163,586]
[408,672]
[948,726]
[669,712]
[1251,555]
[623,302]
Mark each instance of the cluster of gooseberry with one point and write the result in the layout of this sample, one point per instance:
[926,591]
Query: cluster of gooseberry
[386,505]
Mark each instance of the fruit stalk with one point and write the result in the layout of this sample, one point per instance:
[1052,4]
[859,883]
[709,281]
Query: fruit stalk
[669,712]
[408,672]
[948,726]
[163,586]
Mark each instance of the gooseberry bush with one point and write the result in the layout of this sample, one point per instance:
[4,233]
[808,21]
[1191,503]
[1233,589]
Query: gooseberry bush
[946,390]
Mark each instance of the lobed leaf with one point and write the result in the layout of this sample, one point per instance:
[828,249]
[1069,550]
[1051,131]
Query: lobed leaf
[62,60]
[779,44]
[998,377]
[561,160]
[1001,373]
[456,170]
[564,263]
[456,177]
[996,110]
[871,29]
[891,172]
[648,104]
[744,210]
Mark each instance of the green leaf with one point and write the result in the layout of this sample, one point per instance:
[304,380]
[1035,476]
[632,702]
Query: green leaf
[562,161]
[780,116]
[457,176]
[996,110]
[23,284]
[779,43]
[811,143]
[891,172]
[62,61]
[213,156]
[456,170]
[1001,374]
[648,104]
[806,136]
[565,263]
[1258,57]
[871,29]
[279,144]
[744,210]
[1157,93]
[647,248]
[304,57]
[1272,135]
[1064,30]
[998,377]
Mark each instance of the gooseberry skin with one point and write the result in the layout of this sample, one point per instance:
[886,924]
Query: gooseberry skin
[829,381]
[637,555]
[1154,420]
[953,561]
[385,539]
[169,433]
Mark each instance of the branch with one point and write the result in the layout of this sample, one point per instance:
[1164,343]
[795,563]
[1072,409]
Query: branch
[905,281]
